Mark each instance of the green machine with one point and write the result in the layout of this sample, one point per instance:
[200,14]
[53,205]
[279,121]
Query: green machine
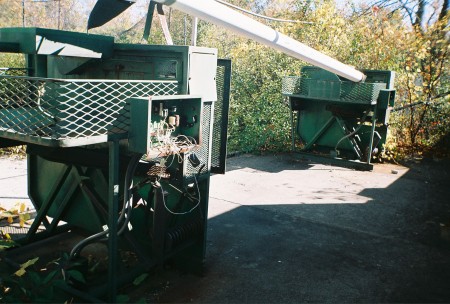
[122,138]
[121,141]
[345,121]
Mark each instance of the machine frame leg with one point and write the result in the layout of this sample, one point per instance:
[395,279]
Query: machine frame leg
[372,133]
[113,209]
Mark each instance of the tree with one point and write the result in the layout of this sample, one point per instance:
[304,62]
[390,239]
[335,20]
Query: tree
[259,120]
[409,37]
[426,86]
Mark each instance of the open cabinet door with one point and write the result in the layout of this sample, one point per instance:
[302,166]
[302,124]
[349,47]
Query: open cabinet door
[221,110]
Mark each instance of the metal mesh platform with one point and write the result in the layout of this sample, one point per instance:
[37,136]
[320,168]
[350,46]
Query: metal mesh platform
[66,112]
[333,90]
[15,231]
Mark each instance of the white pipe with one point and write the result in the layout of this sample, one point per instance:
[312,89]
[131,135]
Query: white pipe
[194,31]
[226,17]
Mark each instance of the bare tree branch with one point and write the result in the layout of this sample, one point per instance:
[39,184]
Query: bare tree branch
[419,15]
[445,9]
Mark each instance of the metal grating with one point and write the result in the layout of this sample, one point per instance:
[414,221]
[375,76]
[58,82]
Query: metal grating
[16,232]
[290,85]
[220,124]
[35,109]
[202,152]
[217,138]
[368,92]
[334,90]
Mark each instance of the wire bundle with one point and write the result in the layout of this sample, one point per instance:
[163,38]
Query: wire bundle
[158,171]
[165,143]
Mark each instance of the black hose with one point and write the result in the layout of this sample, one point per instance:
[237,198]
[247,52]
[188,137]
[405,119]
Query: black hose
[363,119]
[98,236]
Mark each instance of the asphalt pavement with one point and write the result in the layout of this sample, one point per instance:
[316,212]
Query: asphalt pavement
[286,230]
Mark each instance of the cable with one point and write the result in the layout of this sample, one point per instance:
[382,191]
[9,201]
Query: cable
[189,197]
[128,189]
[352,133]
[262,16]
[165,143]
[126,209]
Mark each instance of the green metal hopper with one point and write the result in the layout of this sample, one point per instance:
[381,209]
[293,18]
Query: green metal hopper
[345,121]
[121,141]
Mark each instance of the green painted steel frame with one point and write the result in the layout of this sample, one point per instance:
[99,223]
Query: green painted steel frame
[326,102]
[113,209]
[23,40]
[69,179]
[63,184]
[361,164]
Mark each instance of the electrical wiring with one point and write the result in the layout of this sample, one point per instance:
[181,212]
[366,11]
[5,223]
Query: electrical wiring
[128,197]
[157,172]
[191,198]
[352,133]
[126,209]
[165,143]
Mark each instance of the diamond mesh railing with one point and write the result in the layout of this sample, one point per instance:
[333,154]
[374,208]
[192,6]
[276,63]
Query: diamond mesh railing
[333,90]
[59,111]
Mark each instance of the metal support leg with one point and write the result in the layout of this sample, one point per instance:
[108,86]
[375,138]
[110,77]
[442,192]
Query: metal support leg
[351,139]
[113,209]
[372,133]
[292,131]
[159,225]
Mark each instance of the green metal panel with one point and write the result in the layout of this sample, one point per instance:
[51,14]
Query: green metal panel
[10,47]
[43,177]
[54,42]
[140,113]
[311,121]
[145,112]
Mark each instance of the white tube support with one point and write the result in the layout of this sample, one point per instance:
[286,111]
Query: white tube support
[194,31]
[226,17]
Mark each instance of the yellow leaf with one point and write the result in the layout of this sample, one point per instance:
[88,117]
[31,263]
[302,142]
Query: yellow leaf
[10,219]
[24,266]
[20,272]
[29,262]
[25,217]
[22,207]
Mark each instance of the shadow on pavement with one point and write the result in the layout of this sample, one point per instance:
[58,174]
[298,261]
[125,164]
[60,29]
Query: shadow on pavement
[282,230]
[342,236]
